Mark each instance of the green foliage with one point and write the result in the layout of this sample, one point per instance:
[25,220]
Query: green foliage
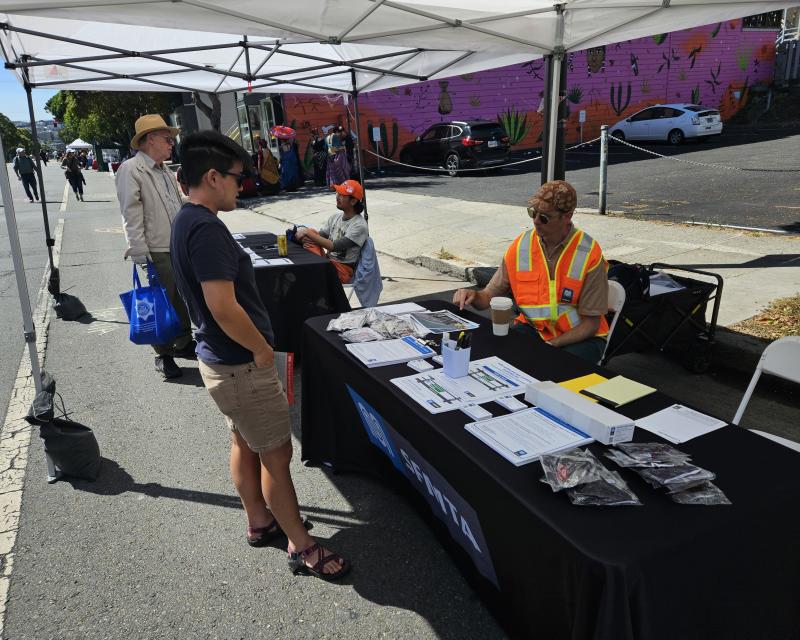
[743,55]
[515,124]
[716,31]
[696,95]
[106,115]
[385,149]
[575,95]
[658,39]
[308,158]
[14,137]
[616,102]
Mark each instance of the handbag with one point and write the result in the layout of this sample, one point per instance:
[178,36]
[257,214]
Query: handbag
[72,446]
[152,317]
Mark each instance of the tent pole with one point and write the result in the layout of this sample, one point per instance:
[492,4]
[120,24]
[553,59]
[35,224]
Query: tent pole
[28,328]
[548,88]
[552,122]
[53,284]
[358,141]
[560,156]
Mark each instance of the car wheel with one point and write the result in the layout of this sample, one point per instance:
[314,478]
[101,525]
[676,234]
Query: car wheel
[675,136]
[452,163]
[618,135]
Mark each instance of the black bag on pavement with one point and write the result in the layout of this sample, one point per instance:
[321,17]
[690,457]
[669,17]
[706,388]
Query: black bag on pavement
[634,278]
[72,446]
[68,307]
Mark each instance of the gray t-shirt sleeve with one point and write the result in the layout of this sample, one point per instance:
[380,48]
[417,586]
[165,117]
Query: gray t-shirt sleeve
[357,231]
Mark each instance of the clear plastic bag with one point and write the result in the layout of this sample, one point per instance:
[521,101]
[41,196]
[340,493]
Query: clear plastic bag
[570,468]
[610,491]
[676,478]
[649,454]
[705,493]
[349,320]
[362,334]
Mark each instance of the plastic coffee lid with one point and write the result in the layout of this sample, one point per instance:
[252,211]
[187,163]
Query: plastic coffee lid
[500,302]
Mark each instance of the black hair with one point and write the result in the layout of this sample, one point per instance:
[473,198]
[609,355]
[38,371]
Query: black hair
[358,207]
[205,150]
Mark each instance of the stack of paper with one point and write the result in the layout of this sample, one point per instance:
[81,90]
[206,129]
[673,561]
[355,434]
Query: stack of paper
[527,435]
[579,384]
[617,391]
[679,424]
[386,352]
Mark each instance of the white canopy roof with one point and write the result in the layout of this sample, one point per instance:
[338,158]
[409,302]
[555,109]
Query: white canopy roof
[77,143]
[312,45]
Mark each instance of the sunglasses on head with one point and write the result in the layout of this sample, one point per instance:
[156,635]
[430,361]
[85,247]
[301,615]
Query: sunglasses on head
[544,218]
[239,176]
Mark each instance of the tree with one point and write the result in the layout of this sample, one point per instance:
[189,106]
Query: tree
[106,115]
[14,137]
[213,113]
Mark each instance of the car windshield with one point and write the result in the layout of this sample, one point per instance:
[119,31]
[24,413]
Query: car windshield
[693,107]
[486,130]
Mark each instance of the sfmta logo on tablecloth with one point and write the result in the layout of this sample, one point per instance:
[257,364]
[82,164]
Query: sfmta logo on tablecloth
[445,502]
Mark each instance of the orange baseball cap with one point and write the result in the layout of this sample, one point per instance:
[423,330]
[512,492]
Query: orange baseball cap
[350,188]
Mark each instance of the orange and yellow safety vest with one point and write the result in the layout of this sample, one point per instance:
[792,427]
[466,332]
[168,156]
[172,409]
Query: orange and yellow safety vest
[549,302]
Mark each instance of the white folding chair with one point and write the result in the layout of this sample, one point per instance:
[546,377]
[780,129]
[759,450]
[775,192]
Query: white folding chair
[782,359]
[616,300]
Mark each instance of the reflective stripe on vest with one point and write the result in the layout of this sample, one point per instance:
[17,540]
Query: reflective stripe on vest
[580,258]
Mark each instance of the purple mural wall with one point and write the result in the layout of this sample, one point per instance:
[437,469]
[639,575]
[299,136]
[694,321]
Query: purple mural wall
[713,65]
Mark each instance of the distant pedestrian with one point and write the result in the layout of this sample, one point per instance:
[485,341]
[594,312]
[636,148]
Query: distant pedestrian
[149,199]
[320,151]
[43,157]
[268,171]
[291,173]
[338,169]
[73,174]
[234,348]
[26,172]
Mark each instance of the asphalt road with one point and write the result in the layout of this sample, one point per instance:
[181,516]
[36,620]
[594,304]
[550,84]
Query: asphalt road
[646,187]
[32,241]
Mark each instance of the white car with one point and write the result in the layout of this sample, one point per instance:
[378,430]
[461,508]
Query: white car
[671,122]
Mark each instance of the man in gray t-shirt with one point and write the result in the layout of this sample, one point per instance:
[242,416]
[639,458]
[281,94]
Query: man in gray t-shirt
[345,232]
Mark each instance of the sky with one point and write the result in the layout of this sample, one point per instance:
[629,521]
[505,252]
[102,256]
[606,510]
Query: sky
[14,102]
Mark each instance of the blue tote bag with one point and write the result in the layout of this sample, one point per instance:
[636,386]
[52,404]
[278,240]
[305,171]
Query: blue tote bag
[153,318]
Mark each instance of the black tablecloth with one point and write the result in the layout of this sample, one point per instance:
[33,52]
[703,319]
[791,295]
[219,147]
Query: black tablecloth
[295,292]
[661,570]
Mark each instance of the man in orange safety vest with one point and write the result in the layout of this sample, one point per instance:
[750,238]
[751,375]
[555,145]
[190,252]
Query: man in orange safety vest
[557,276]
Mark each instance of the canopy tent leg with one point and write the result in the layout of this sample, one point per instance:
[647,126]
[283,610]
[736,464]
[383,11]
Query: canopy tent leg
[358,142]
[54,282]
[29,330]
[554,101]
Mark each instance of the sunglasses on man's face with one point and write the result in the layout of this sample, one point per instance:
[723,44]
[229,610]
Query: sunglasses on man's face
[168,139]
[543,217]
[239,176]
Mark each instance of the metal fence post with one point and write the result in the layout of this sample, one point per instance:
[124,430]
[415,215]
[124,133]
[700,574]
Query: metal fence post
[601,206]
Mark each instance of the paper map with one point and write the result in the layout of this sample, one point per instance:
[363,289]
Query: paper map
[488,378]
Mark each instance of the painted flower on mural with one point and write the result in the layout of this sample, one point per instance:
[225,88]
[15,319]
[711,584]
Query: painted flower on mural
[474,101]
[575,94]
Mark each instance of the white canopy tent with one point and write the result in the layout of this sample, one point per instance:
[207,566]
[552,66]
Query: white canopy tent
[77,143]
[314,46]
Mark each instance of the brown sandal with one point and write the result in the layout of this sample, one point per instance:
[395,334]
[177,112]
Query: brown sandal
[297,563]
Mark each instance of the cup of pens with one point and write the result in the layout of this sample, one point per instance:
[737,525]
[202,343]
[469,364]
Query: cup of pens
[455,355]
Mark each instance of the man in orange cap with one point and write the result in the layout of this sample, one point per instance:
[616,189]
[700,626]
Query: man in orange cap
[343,234]
[557,275]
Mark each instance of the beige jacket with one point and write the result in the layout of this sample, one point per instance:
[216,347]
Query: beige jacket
[146,207]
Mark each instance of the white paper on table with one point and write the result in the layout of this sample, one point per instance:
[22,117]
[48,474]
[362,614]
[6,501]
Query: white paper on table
[488,378]
[403,307]
[679,424]
[525,436]
[258,262]
[385,352]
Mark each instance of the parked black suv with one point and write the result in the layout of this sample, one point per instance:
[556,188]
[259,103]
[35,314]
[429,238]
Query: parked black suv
[459,145]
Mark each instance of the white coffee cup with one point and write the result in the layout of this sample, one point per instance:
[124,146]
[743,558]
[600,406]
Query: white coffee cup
[502,313]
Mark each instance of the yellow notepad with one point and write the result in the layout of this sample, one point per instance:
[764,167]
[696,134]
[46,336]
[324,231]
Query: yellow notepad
[618,391]
[577,385]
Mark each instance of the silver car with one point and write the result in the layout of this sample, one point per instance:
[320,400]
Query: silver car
[671,122]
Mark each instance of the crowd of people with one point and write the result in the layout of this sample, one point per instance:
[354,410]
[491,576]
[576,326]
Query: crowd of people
[332,160]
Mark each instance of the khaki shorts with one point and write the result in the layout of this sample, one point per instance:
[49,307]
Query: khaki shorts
[252,401]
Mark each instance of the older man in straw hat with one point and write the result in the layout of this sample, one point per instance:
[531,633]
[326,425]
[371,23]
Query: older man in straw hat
[557,275]
[149,199]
